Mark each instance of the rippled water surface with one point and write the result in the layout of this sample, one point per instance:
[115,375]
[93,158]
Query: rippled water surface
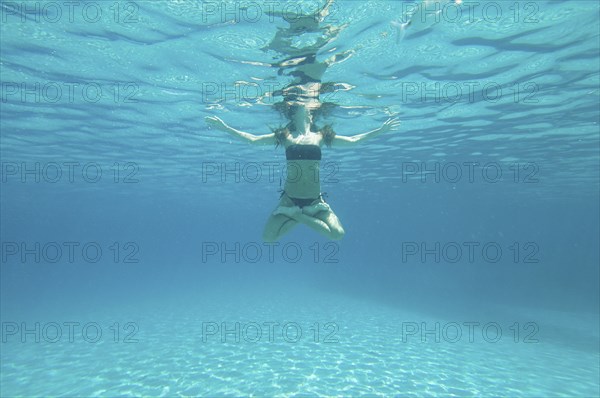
[522,89]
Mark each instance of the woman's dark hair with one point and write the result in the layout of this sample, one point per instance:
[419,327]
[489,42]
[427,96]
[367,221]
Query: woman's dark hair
[328,134]
[286,110]
[324,109]
[281,134]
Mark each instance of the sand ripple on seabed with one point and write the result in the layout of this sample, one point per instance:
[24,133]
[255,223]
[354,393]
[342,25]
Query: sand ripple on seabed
[370,358]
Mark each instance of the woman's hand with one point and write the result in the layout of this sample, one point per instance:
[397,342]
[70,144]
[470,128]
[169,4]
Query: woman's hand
[215,122]
[392,123]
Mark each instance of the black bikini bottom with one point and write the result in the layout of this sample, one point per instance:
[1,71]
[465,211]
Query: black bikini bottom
[300,202]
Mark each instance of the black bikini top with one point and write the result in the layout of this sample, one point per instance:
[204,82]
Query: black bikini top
[303,152]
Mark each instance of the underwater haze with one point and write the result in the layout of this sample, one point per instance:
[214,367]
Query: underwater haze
[132,258]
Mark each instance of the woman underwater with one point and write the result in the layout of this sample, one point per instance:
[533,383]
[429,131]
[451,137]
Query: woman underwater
[301,201]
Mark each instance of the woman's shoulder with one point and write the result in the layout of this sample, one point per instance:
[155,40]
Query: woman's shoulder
[282,135]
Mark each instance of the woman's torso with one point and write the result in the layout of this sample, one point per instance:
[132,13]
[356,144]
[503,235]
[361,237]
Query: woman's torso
[304,154]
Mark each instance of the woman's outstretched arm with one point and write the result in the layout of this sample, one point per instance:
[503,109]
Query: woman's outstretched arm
[219,124]
[344,140]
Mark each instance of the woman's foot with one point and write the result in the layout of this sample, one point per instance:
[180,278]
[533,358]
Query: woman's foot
[315,209]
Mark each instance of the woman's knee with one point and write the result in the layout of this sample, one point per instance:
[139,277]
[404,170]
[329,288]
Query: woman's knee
[269,236]
[337,233]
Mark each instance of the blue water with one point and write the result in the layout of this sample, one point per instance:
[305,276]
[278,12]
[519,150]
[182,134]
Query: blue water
[132,259]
